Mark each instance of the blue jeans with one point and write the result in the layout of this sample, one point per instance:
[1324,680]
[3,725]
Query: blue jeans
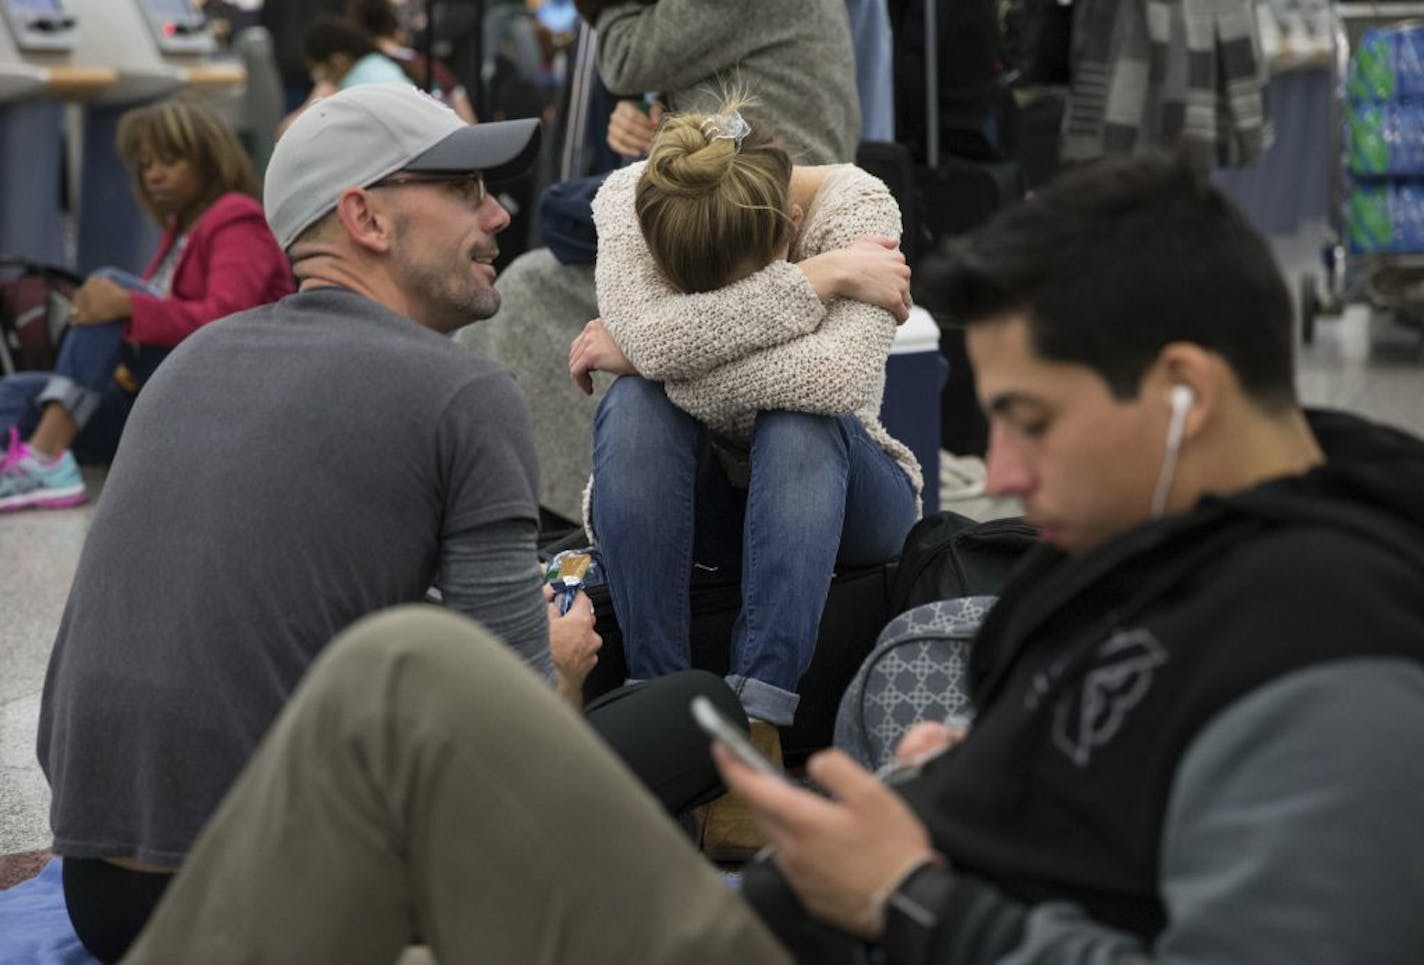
[821,493]
[83,382]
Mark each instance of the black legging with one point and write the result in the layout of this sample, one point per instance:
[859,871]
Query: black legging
[109,905]
[648,725]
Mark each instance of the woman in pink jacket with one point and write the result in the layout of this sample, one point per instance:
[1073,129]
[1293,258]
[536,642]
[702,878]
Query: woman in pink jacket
[217,256]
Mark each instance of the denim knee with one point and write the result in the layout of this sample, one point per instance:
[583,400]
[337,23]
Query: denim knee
[800,435]
[645,453]
[638,432]
[799,467]
[636,413]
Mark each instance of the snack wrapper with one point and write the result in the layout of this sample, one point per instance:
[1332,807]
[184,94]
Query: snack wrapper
[568,573]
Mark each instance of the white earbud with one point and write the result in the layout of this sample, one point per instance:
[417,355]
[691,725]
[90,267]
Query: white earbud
[1181,399]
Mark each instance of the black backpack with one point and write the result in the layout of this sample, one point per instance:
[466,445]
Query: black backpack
[855,613]
[947,556]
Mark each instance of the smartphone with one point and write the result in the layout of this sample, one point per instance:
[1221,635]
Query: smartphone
[719,728]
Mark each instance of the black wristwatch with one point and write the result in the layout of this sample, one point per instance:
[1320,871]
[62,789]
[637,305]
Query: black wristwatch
[912,913]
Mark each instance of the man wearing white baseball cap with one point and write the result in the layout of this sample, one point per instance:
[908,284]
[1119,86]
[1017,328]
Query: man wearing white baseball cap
[360,137]
[289,470]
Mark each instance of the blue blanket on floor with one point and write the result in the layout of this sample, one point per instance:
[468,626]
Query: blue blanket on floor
[34,925]
[35,928]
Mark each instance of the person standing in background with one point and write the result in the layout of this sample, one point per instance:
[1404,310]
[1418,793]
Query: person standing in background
[287,22]
[378,19]
[341,55]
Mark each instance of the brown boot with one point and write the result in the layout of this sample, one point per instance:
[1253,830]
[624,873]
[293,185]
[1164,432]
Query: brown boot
[729,834]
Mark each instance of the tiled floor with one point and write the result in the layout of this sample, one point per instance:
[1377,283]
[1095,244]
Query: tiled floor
[38,553]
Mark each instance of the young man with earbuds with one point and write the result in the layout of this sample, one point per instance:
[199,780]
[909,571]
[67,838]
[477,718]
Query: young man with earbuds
[1200,703]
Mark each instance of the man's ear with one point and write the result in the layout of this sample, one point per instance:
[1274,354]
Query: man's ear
[369,225]
[1187,365]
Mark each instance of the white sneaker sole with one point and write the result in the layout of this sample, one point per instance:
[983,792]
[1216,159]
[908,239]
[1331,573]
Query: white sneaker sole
[45,499]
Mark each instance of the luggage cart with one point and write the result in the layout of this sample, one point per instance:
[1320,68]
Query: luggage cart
[1324,293]
[1289,192]
[1376,265]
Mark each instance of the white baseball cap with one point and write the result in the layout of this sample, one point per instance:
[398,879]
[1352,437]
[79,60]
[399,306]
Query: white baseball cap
[358,136]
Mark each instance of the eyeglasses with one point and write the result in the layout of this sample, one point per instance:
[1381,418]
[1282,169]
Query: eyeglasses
[469,188]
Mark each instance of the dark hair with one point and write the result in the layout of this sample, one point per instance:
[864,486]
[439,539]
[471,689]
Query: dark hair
[328,35]
[184,128]
[1113,261]
[376,17]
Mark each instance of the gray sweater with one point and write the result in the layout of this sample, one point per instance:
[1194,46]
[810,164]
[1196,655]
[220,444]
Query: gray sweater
[796,58]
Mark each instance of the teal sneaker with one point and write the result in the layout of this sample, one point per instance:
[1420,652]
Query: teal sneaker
[28,480]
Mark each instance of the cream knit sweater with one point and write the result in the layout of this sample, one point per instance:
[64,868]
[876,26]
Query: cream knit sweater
[765,342]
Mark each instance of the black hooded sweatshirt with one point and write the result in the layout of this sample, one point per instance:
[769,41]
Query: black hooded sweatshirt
[1154,714]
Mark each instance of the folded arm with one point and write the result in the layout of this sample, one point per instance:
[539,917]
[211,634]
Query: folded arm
[667,334]
[835,370]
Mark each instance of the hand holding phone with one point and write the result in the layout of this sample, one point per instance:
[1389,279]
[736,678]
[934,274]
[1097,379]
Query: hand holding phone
[717,726]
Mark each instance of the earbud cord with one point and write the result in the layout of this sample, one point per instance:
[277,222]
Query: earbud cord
[1169,460]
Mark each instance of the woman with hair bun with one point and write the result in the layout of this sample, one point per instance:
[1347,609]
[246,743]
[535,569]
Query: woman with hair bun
[748,306]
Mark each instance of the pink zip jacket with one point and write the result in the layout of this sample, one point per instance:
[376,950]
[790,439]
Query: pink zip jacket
[231,263]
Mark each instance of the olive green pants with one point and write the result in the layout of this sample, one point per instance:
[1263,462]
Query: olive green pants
[423,782]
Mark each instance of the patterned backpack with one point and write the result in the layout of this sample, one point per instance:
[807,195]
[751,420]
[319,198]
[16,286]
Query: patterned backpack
[917,671]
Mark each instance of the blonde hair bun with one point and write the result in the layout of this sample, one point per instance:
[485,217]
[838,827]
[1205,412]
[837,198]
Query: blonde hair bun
[684,162]
[712,203]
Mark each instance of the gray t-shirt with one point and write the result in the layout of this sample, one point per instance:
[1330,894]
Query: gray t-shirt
[287,471]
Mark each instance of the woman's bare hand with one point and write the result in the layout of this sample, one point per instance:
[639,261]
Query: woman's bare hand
[871,270]
[593,350]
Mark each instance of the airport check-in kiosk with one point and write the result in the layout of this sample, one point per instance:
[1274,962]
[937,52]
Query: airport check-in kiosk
[156,47]
[38,73]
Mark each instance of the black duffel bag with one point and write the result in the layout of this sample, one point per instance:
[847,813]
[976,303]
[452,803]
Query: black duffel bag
[856,610]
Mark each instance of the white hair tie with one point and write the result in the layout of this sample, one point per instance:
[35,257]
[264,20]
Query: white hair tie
[728,126]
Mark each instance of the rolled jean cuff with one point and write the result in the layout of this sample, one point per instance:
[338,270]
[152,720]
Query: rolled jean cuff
[763,701]
[79,402]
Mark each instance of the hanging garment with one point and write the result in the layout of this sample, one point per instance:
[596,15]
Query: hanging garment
[1173,74]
